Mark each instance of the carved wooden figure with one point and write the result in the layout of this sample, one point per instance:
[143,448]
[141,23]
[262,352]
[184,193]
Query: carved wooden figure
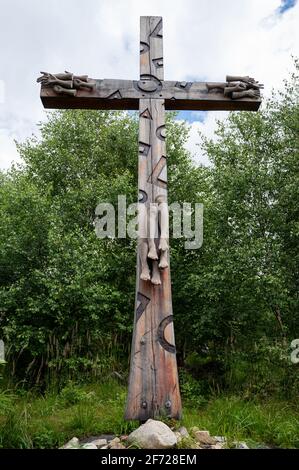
[153,383]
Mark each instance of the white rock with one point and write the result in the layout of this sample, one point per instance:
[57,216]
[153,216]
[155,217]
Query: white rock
[183,432]
[117,445]
[72,444]
[153,435]
[220,439]
[99,442]
[241,445]
[217,446]
[89,445]
[114,441]
[204,437]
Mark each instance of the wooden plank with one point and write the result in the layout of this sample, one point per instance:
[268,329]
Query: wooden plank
[125,94]
[153,382]
[151,47]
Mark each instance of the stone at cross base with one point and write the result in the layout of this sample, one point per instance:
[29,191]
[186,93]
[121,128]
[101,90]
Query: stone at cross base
[153,382]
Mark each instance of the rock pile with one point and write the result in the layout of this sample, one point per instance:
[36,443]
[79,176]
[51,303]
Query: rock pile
[155,434]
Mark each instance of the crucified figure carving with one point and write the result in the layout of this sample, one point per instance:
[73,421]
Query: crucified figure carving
[154,236]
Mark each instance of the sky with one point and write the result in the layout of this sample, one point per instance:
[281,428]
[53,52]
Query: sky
[204,40]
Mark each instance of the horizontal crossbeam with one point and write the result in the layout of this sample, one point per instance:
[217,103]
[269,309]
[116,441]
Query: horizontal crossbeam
[125,94]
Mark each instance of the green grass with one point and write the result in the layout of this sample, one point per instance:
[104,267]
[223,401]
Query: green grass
[271,422]
[32,421]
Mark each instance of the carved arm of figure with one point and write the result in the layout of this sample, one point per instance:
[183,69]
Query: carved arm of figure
[239,78]
[237,86]
[246,93]
[64,91]
[50,80]
[82,84]
[62,83]
[83,78]
[234,86]
[216,85]
[250,82]
[47,77]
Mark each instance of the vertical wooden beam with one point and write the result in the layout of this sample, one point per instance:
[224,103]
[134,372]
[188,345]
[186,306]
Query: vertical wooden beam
[153,383]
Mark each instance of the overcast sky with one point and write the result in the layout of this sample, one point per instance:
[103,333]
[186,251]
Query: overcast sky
[203,40]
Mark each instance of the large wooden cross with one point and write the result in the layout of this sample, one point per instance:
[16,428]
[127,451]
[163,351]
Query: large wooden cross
[153,383]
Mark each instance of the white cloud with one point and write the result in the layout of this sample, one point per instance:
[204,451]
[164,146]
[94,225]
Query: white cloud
[202,39]
[9,153]
[206,129]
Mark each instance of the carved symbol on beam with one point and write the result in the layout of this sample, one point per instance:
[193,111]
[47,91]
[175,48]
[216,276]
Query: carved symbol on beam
[157,31]
[144,47]
[115,95]
[144,149]
[161,334]
[142,196]
[143,303]
[158,63]
[183,85]
[146,114]
[148,84]
[160,132]
[155,177]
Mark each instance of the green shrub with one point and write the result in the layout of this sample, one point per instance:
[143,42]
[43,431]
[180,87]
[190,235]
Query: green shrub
[191,389]
[72,394]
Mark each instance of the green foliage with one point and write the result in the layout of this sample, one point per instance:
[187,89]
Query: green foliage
[46,438]
[14,430]
[264,371]
[186,443]
[72,394]
[237,297]
[191,389]
[6,402]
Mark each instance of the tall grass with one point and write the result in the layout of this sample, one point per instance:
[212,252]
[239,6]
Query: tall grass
[271,422]
[48,421]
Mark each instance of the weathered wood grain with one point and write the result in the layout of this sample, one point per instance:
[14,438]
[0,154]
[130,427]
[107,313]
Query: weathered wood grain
[125,94]
[153,382]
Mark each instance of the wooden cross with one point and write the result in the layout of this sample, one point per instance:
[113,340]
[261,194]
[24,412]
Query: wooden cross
[153,383]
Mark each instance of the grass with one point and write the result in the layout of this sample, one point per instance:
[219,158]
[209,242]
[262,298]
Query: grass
[271,422]
[32,421]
